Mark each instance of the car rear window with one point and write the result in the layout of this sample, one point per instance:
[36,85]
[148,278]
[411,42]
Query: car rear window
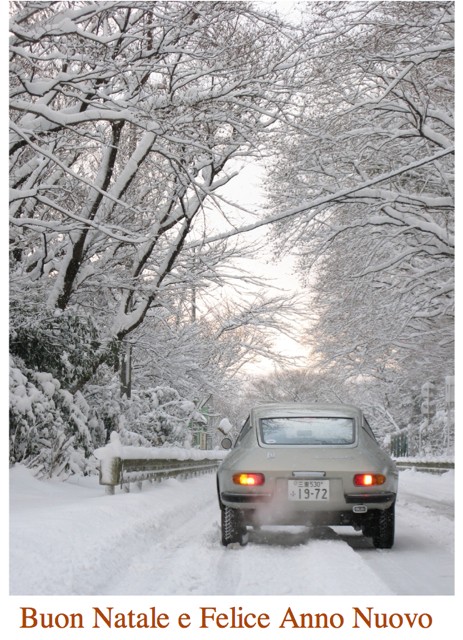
[315,430]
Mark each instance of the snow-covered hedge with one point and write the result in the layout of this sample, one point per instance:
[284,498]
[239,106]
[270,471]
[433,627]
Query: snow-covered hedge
[56,432]
[51,429]
[157,416]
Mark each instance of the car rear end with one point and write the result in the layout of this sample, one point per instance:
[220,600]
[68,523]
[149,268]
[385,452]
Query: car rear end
[306,465]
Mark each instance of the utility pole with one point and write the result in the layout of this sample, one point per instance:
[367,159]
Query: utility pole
[126,370]
[449,405]
[428,407]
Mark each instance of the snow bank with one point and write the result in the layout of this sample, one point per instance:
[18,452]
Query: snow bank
[439,487]
[69,538]
[116,450]
[442,459]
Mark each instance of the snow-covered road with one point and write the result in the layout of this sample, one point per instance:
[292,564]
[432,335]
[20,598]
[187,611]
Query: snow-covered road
[73,539]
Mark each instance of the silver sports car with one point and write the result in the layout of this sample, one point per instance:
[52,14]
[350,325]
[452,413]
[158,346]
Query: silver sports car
[307,464]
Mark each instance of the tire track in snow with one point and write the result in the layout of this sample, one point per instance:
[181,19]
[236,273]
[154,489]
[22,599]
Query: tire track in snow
[181,554]
[74,540]
[172,557]
[422,559]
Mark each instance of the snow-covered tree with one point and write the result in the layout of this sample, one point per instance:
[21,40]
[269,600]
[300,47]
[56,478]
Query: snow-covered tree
[364,190]
[296,385]
[124,119]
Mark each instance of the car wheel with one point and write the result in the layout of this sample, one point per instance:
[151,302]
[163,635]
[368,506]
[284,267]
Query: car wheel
[233,529]
[383,528]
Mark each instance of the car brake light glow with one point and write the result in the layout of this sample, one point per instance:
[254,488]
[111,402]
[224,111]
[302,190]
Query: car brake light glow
[249,479]
[368,479]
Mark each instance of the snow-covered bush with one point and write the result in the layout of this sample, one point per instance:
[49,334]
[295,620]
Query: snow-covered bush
[51,430]
[151,417]
[433,438]
[66,344]
[55,432]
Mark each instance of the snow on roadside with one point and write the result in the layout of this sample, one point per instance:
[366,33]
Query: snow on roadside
[65,538]
[70,538]
[439,487]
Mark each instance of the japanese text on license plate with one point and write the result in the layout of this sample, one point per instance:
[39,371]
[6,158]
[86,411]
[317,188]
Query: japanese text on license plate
[308,490]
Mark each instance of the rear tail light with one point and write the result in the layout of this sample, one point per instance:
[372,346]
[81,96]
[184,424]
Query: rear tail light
[249,479]
[369,479]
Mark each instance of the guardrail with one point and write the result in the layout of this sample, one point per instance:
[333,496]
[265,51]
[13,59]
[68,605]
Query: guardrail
[122,466]
[437,466]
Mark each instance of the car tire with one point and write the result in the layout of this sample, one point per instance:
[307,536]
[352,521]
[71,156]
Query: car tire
[233,529]
[383,528]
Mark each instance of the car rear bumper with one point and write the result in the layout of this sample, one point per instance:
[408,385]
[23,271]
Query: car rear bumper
[245,498]
[369,498]
[272,509]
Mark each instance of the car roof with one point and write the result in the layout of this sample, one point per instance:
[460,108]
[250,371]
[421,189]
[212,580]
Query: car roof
[283,409]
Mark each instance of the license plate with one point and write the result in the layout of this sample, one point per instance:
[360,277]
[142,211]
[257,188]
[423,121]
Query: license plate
[309,490]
